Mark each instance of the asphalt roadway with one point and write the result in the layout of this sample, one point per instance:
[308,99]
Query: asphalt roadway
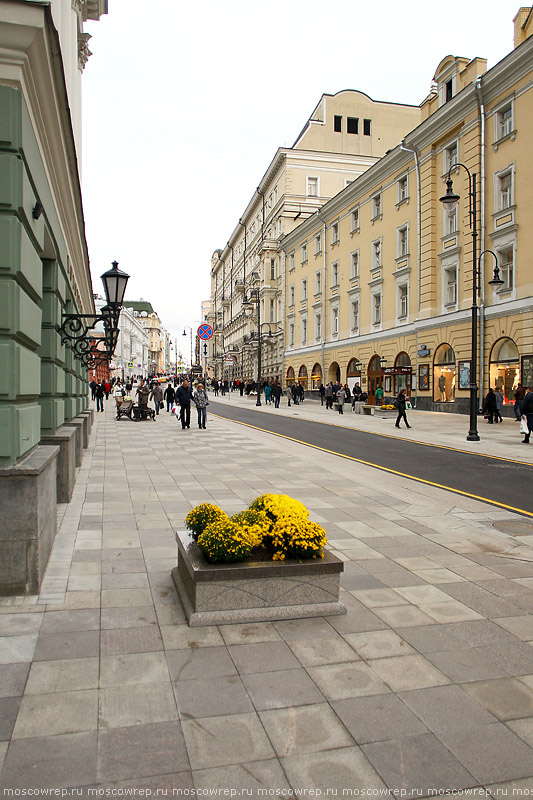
[501,481]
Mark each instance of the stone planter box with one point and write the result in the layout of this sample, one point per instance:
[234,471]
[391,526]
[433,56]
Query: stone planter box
[386,414]
[254,591]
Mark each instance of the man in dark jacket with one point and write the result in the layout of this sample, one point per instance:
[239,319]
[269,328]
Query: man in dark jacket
[183,398]
[169,396]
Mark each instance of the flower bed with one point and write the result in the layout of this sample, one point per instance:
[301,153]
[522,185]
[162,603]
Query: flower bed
[265,563]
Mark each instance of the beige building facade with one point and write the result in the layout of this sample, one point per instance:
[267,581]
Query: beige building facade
[379,282]
[344,136]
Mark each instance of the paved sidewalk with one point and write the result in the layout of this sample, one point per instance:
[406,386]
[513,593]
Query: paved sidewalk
[430,427]
[426,683]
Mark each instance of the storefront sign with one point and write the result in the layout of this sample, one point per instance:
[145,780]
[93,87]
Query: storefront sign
[527,371]
[423,377]
[464,374]
[397,370]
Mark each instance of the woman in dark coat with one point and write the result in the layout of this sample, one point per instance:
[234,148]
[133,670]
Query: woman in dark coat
[400,404]
[490,407]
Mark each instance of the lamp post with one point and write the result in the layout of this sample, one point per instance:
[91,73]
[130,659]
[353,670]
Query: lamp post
[248,310]
[75,327]
[450,200]
[184,334]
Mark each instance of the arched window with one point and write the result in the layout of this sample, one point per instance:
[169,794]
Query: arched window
[403,373]
[302,376]
[444,374]
[334,372]
[504,368]
[316,376]
[353,371]
[290,375]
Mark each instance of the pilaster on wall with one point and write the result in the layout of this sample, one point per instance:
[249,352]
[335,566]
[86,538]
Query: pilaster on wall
[429,245]
[52,352]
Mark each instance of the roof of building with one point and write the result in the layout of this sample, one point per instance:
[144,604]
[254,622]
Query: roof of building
[139,306]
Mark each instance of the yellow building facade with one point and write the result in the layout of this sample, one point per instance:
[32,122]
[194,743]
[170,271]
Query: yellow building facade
[345,135]
[379,281]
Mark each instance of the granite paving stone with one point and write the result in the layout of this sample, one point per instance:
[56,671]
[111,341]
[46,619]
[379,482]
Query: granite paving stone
[219,741]
[141,751]
[417,764]
[9,708]
[20,624]
[490,752]
[132,617]
[505,698]
[70,712]
[403,617]
[319,652]
[63,675]
[246,633]
[127,669]
[258,776]
[337,681]
[139,704]
[377,718]
[51,762]
[345,769]
[305,729]
[17,649]
[262,657]
[281,689]
[73,644]
[13,678]
[468,664]
[130,640]
[378,644]
[446,707]
[65,621]
[208,662]
[212,697]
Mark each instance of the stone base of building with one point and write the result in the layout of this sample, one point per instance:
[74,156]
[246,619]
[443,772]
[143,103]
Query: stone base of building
[66,439]
[79,425]
[221,594]
[28,510]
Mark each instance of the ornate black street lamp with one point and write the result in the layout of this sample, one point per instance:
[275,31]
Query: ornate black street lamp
[75,327]
[450,200]
[247,305]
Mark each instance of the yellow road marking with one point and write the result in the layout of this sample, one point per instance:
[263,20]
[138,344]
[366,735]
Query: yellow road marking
[385,469]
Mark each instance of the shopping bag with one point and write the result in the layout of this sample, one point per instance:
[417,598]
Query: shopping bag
[524,426]
[173,408]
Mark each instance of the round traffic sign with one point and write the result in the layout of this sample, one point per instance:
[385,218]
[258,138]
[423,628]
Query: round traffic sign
[205,331]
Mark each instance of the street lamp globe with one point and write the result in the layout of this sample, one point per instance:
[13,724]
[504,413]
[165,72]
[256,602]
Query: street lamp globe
[115,282]
[450,199]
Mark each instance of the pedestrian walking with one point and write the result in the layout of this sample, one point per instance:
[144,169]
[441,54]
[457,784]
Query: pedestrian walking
[379,396]
[400,405]
[295,394]
[183,399]
[201,402]
[169,396]
[499,403]
[99,393]
[143,393]
[329,395]
[157,396]
[118,393]
[268,393]
[341,397]
[288,393]
[322,393]
[92,387]
[489,406]
[276,393]
[107,389]
[518,396]
[301,392]
[527,414]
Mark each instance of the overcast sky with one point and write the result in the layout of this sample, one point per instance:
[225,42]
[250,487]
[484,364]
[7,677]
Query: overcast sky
[185,105]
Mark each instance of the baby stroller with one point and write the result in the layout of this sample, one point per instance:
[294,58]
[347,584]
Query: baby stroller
[125,408]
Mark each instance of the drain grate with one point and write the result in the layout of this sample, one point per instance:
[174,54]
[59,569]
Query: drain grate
[514,527]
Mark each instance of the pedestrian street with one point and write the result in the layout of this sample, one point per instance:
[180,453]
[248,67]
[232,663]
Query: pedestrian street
[425,683]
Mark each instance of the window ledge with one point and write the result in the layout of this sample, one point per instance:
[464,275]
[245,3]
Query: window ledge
[355,230]
[405,201]
[511,135]
[337,241]
[376,219]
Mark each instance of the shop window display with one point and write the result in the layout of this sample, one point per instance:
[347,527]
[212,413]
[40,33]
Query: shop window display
[504,369]
[444,375]
[316,377]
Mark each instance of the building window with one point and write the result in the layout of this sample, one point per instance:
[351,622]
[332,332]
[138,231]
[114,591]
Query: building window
[504,121]
[403,241]
[335,274]
[304,289]
[376,309]
[354,264]
[337,123]
[291,295]
[367,127]
[318,244]
[506,262]
[403,189]
[272,310]
[355,315]
[376,206]
[318,285]
[318,326]
[376,254]
[334,321]
[352,125]
[450,287]
[450,221]
[291,334]
[304,253]
[312,187]
[451,156]
[403,301]
[335,233]
[505,190]
[354,216]
[291,261]
[304,330]
[448,88]
[272,268]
